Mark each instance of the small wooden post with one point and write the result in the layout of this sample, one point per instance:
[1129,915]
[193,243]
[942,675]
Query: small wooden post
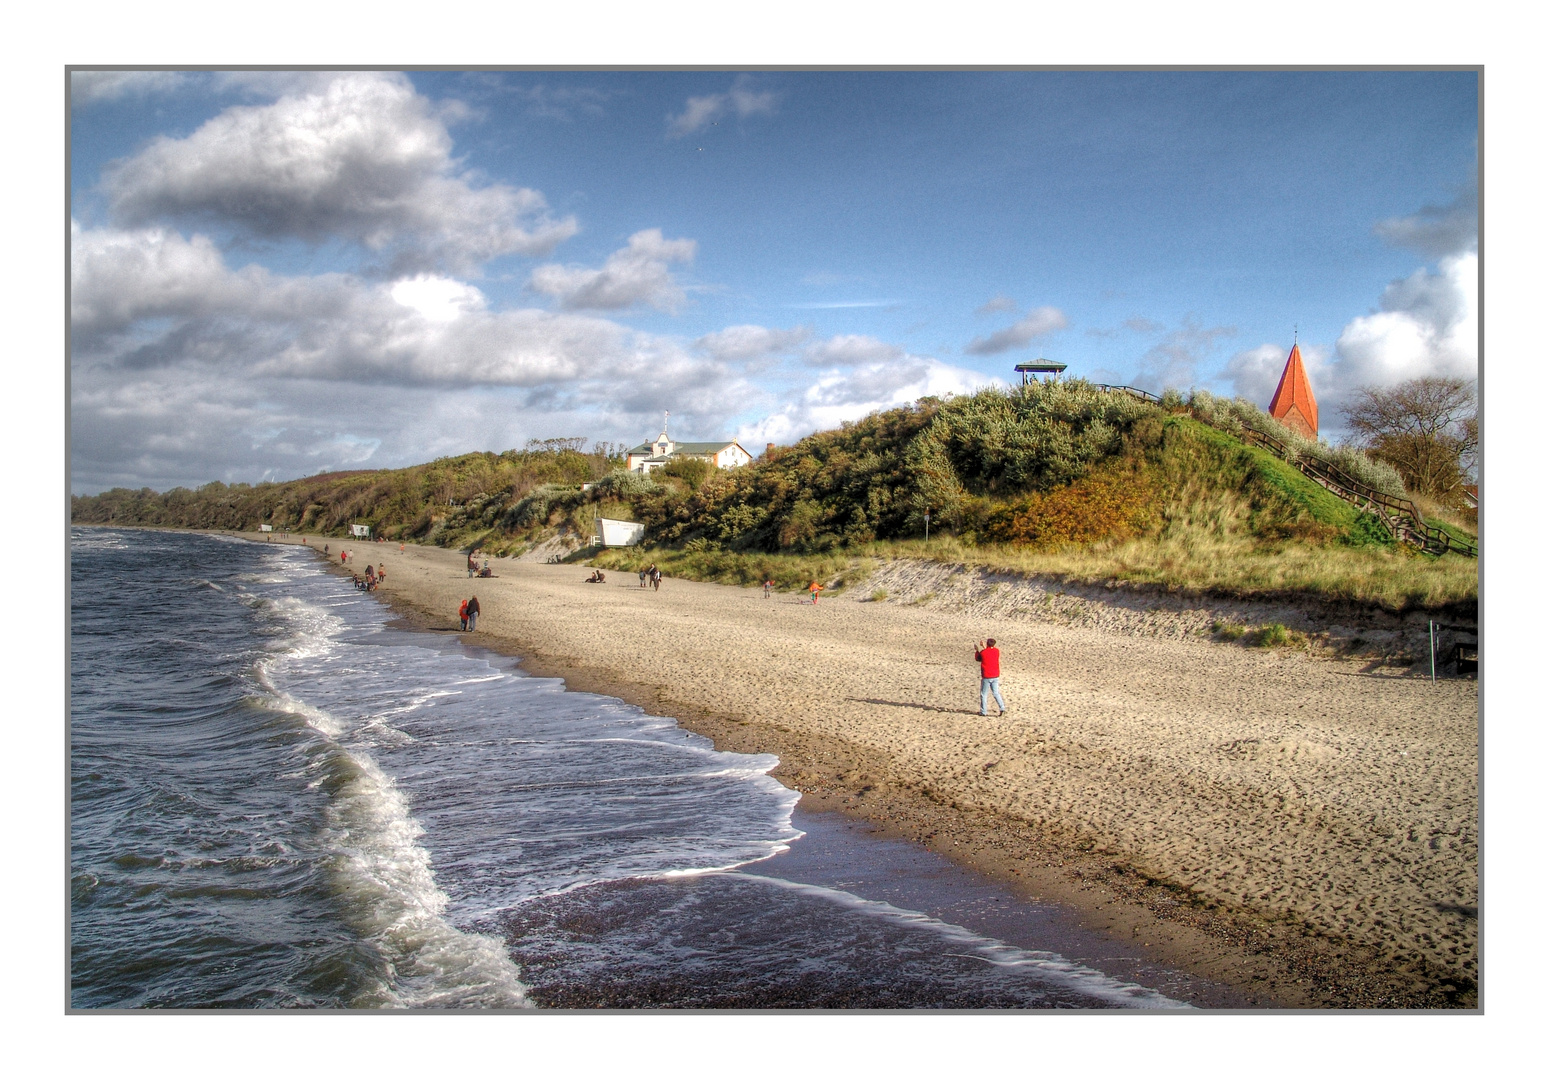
[1433,652]
[927,523]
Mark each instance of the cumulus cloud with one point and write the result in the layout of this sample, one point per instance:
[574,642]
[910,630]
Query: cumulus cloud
[700,112]
[1437,231]
[738,343]
[1426,324]
[1038,322]
[93,87]
[838,396]
[632,275]
[186,370]
[847,350]
[361,158]
[119,276]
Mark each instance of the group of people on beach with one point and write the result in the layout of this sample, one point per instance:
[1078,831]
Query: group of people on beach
[597,578]
[652,576]
[374,577]
[474,570]
[468,613]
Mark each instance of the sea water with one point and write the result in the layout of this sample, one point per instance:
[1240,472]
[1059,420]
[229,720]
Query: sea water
[277,799]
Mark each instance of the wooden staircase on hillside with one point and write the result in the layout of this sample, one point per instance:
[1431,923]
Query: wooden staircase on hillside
[1400,517]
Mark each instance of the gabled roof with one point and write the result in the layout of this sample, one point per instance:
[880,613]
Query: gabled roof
[685,447]
[704,447]
[1295,392]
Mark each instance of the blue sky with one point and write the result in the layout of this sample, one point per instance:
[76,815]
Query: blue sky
[276,274]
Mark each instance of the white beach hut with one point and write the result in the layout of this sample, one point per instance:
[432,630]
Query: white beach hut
[620,533]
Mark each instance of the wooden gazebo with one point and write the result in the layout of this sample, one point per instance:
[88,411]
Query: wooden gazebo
[1033,368]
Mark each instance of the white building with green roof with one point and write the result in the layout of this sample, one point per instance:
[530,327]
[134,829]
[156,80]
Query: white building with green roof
[723,453]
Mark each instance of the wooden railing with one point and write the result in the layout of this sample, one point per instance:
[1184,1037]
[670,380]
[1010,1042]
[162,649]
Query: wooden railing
[1132,391]
[1399,516]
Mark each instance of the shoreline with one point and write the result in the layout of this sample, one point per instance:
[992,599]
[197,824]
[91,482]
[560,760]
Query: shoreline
[866,766]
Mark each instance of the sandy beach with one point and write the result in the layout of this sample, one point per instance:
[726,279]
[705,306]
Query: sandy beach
[1301,827]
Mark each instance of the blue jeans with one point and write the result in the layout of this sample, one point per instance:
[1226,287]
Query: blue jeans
[986,688]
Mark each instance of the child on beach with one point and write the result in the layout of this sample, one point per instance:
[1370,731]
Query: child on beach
[767,586]
[462,613]
[814,589]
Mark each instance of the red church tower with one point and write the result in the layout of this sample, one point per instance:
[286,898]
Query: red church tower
[1293,404]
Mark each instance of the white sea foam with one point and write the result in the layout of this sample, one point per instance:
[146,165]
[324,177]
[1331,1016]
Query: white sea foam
[1050,967]
[388,891]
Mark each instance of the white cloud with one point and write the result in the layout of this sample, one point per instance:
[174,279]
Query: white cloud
[1036,323]
[363,158]
[700,112]
[838,396]
[998,302]
[438,299]
[747,342]
[185,370]
[1426,324]
[94,87]
[847,350]
[632,275]
[118,277]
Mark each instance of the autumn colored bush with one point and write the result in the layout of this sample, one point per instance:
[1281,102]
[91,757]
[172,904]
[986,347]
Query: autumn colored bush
[1112,505]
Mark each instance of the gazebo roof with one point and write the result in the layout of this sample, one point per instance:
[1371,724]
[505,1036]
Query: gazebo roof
[1041,367]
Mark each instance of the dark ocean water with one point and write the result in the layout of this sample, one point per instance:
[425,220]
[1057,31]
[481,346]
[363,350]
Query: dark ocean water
[278,800]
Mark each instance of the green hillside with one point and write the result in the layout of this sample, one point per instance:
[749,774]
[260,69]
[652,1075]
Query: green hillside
[1058,478]
[450,502]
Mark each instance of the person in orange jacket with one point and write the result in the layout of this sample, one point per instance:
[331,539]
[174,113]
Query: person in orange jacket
[462,613]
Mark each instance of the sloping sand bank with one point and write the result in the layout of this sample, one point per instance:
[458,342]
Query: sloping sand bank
[1305,828]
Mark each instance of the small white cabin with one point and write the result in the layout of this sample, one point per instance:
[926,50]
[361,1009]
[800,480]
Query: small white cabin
[266,528]
[362,531]
[620,533]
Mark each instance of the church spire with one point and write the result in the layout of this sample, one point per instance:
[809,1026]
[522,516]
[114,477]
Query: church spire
[1293,404]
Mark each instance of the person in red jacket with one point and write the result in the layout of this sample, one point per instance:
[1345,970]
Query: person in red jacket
[462,613]
[989,677]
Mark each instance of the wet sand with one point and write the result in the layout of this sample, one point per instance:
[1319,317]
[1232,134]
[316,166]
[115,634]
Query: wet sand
[1301,829]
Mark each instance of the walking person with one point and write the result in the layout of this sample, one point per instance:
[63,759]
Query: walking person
[767,586]
[989,677]
[473,621]
[462,613]
[814,589]
[643,574]
[656,579]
